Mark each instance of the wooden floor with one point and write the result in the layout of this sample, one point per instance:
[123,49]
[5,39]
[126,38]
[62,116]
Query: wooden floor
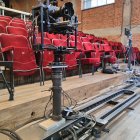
[26,93]
[33,98]
[30,100]
[126,126]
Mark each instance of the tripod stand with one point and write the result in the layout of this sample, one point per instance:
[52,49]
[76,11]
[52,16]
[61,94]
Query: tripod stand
[130,52]
[9,85]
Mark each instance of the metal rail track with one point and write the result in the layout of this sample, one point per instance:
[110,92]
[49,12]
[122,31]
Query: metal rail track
[104,119]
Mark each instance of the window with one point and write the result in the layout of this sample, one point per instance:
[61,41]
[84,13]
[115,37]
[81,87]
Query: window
[95,3]
[87,4]
[110,1]
[101,2]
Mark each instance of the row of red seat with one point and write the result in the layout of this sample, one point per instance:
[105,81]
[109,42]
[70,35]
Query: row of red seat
[116,46]
[85,37]
[9,21]
[90,49]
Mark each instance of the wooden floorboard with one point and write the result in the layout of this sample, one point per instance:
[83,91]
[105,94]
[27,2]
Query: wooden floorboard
[126,126]
[33,97]
[30,92]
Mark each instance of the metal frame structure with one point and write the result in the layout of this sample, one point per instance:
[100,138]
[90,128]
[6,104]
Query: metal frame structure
[103,120]
[10,84]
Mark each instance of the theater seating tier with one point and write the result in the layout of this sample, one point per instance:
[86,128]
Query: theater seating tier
[16,36]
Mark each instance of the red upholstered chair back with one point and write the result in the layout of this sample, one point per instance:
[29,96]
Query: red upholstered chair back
[64,37]
[90,37]
[2,29]
[46,41]
[59,42]
[6,18]
[16,31]
[52,36]
[85,39]
[81,34]
[70,60]
[106,47]
[88,46]
[18,20]
[15,24]
[48,56]
[101,47]
[79,45]
[72,37]
[96,46]
[24,61]
[3,23]
[96,54]
[135,50]
[80,49]
[105,41]
[14,40]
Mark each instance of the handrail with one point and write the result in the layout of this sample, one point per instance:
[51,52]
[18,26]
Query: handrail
[23,14]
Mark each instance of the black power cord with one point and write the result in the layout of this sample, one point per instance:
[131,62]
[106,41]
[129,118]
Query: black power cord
[11,134]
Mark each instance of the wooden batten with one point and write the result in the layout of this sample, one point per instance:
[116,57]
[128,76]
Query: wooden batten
[30,100]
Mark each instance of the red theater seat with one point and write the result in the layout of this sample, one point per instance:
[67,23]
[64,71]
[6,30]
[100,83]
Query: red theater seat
[14,40]
[48,56]
[136,53]
[3,23]
[59,42]
[2,29]
[64,37]
[69,59]
[72,37]
[92,56]
[47,41]
[23,58]
[109,52]
[85,39]
[52,36]
[81,34]
[15,24]
[18,20]
[79,49]
[6,18]
[17,31]
[71,62]
[91,38]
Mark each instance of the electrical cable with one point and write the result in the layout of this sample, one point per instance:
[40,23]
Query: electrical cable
[70,99]
[75,134]
[67,97]
[47,104]
[11,134]
[72,133]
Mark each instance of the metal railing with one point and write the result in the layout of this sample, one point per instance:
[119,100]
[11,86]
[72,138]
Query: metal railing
[22,14]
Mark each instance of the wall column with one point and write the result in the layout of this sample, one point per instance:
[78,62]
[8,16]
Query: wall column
[127,12]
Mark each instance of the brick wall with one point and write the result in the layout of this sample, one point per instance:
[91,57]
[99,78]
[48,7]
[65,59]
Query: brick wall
[23,5]
[109,21]
[135,12]
[106,21]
